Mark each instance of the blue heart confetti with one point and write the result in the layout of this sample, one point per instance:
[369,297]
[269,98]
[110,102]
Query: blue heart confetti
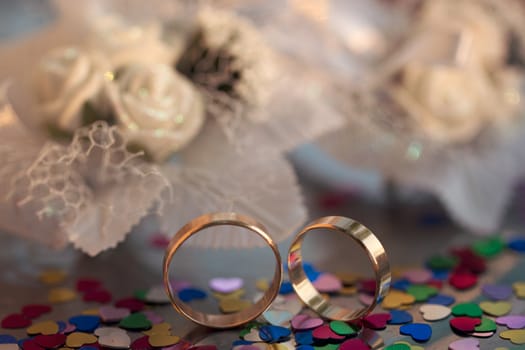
[400,317]
[419,332]
[85,323]
[304,338]
[286,288]
[189,294]
[274,334]
[7,339]
[441,299]
[517,244]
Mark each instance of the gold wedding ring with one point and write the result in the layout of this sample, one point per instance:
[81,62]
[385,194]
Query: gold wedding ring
[218,320]
[366,240]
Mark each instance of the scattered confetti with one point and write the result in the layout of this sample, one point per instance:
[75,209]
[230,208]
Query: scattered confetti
[189,294]
[497,291]
[400,317]
[45,328]
[15,321]
[377,321]
[226,285]
[77,339]
[61,295]
[136,322]
[498,308]
[111,314]
[434,312]
[52,276]
[35,310]
[512,321]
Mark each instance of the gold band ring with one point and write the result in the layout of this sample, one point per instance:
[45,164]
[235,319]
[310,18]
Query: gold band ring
[218,320]
[367,240]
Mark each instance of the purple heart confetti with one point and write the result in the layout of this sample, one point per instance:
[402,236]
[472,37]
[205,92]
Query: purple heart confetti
[497,291]
[512,321]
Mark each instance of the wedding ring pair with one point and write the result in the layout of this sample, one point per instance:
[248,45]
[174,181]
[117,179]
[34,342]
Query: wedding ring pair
[300,282]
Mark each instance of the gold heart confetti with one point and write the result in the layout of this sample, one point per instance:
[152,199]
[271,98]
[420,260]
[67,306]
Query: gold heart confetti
[52,276]
[77,339]
[262,285]
[159,329]
[229,306]
[163,340]
[61,295]
[499,308]
[519,289]
[45,328]
[233,295]
[516,336]
[396,299]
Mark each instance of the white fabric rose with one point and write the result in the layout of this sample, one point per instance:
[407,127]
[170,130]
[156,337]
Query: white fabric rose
[66,79]
[124,44]
[450,103]
[158,108]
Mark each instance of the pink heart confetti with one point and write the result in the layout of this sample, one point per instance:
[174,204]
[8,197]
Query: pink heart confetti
[304,322]
[226,285]
[177,286]
[464,344]
[418,276]
[69,328]
[512,321]
[366,299]
[87,284]
[112,314]
[328,283]
[153,317]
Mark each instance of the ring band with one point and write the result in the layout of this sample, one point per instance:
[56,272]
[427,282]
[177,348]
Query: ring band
[306,290]
[219,320]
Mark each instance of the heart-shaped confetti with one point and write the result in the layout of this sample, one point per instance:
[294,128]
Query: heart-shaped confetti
[163,340]
[85,323]
[136,322]
[117,339]
[517,244]
[189,294]
[489,247]
[51,341]
[512,321]
[153,317]
[434,312]
[61,295]
[87,284]
[45,328]
[464,344]
[30,344]
[343,328]
[35,310]
[464,324]
[410,346]
[516,336]
[519,289]
[463,280]
[498,308]
[77,339]
[399,317]
[304,338]
[132,304]
[99,295]
[229,306]
[15,321]
[274,334]
[226,285]
[157,295]
[467,309]
[441,299]
[367,299]
[421,292]
[354,344]
[9,347]
[305,322]
[111,314]
[441,262]
[368,286]
[7,339]
[398,346]
[328,283]
[286,288]
[161,328]
[325,333]
[418,276]
[486,325]
[377,321]
[396,299]
[420,332]
[497,291]
[52,276]
[278,317]
[141,343]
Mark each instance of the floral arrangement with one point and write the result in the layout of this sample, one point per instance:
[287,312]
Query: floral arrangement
[128,119]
